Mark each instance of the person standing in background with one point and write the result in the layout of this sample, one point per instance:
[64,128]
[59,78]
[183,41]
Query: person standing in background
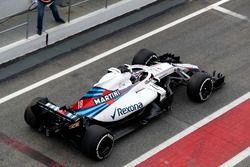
[40,13]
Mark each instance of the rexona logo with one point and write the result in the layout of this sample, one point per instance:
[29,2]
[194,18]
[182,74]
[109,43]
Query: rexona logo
[122,111]
[108,97]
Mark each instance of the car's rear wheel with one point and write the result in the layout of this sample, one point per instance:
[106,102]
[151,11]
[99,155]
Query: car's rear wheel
[144,57]
[200,87]
[29,115]
[97,142]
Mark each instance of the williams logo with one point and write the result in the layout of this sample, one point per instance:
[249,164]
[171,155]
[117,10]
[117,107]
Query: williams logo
[122,111]
[103,99]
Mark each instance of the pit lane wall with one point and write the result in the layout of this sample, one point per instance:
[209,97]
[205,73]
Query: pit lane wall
[33,43]
[12,7]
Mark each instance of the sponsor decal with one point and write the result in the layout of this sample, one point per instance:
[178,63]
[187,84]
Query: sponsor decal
[63,112]
[80,103]
[103,99]
[122,111]
[52,106]
[74,125]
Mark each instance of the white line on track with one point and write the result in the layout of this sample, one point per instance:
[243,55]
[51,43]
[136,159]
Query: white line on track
[231,13]
[107,53]
[189,130]
[237,159]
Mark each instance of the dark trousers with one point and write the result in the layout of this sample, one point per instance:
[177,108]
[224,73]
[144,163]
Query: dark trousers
[40,14]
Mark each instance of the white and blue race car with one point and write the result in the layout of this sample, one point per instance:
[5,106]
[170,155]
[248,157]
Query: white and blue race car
[124,99]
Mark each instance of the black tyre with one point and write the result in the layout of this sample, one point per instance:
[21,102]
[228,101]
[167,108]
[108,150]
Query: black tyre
[144,57]
[29,115]
[200,87]
[97,142]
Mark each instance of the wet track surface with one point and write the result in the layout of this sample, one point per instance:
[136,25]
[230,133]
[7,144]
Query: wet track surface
[212,40]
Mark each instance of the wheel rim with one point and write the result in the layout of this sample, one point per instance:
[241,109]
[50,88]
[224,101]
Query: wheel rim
[206,89]
[105,146]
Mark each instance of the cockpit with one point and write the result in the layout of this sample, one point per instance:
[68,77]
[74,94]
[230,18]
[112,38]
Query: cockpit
[123,76]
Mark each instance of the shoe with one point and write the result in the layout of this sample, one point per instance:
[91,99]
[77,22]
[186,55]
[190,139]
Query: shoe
[39,32]
[60,21]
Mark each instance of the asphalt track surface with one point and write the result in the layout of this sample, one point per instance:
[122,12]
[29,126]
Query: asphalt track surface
[212,40]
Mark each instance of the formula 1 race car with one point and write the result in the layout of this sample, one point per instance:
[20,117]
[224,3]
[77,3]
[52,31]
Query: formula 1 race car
[124,99]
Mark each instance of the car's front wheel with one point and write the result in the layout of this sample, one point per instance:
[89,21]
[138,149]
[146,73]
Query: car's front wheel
[97,142]
[200,87]
[144,57]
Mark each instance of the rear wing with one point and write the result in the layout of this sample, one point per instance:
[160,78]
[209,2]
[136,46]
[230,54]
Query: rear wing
[62,112]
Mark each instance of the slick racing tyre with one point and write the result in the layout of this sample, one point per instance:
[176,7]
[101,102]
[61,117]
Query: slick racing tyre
[97,142]
[29,115]
[144,57]
[200,87]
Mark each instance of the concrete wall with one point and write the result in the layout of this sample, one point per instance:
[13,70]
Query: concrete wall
[98,17]
[63,31]
[64,3]
[12,7]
